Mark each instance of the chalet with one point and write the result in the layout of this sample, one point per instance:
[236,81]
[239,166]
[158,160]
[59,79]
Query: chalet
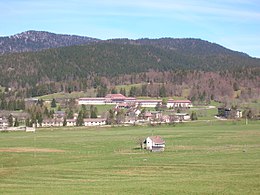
[154,144]
[179,103]
[94,121]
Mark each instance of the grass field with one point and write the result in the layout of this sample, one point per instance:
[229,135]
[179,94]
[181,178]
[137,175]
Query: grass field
[200,158]
[89,93]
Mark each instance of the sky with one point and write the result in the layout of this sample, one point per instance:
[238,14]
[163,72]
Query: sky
[234,24]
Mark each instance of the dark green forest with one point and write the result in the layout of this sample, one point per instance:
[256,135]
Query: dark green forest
[104,64]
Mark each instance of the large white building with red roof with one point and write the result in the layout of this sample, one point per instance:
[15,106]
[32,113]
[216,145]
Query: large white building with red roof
[116,99]
[108,99]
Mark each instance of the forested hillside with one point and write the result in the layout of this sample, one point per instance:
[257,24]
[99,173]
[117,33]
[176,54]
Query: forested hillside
[208,70]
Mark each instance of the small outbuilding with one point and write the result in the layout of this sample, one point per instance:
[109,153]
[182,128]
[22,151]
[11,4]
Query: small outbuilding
[154,144]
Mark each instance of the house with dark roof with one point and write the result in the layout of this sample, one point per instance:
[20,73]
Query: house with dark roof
[154,144]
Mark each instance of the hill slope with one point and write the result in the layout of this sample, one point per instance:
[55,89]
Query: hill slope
[185,45]
[110,59]
[76,67]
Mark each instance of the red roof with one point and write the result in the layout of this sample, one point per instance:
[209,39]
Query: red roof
[157,139]
[145,101]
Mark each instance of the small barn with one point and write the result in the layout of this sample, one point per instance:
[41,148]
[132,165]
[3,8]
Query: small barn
[154,144]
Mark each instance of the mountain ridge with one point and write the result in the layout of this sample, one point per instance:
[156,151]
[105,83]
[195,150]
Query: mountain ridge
[33,40]
[39,40]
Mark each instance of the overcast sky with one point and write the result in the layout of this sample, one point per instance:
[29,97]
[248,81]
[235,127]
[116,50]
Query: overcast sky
[234,24]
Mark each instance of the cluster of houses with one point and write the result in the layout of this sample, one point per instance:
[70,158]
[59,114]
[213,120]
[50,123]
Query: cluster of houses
[130,118]
[121,100]
[4,126]
[4,114]
[131,105]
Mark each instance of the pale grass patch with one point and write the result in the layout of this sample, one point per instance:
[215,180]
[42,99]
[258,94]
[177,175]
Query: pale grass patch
[223,148]
[30,150]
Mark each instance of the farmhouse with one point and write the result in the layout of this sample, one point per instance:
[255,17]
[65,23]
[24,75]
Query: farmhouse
[154,144]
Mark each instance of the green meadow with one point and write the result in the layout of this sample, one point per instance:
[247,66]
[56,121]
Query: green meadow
[200,158]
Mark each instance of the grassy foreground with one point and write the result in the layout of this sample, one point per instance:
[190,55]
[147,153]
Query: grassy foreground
[200,158]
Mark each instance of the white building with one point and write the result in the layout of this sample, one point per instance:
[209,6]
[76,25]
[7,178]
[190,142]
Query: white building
[149,103]
[92,101]
[52,123]
[182,117]
[154,144]
[94,121]
[179,103]
[109,99]
[71,122]
[3,123]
